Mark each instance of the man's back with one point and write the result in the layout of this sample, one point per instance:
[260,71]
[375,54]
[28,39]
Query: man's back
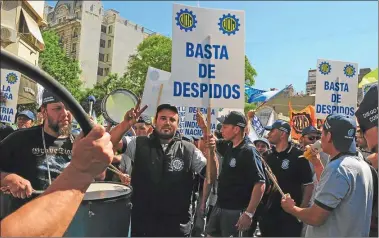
[346,190]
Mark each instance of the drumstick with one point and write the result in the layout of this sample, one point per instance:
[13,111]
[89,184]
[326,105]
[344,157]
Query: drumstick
[115,168]
[116,172]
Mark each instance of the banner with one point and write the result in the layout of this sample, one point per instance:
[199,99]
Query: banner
[154,79]
[208,57]
[10,83]
[257,126]
[301,119]
[188,123]
[336,88]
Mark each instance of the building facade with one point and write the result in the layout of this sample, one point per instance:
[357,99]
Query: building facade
[101,41]
[311,82]
[21,35]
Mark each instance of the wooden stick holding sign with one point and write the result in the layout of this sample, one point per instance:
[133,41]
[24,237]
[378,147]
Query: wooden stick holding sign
[159,94]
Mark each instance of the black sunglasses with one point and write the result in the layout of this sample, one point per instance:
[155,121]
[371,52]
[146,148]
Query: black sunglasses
[314,137]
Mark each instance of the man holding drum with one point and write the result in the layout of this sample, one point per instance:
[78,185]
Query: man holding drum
[163,174]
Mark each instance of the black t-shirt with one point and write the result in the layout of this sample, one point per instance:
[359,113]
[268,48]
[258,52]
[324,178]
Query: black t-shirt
[291,172]
[241,170]
[5,130]
[23,153]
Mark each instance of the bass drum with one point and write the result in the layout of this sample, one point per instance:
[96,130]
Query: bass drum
[104,212]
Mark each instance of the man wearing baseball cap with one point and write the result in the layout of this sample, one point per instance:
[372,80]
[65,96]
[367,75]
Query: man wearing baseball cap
[25,119]
[242,180]
[26,154]
[343,201]
[294,176]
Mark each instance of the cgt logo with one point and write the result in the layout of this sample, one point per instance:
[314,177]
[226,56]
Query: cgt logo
[300,121]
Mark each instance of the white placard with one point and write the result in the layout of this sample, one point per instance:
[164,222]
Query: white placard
[208,57]
[336,88]
[188,123]
[154,79]
[10,83]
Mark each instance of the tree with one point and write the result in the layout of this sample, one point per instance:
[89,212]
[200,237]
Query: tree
[64,69]
[155,51]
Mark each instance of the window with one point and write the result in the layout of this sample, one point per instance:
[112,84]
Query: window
[109,29]
[75,33]
[74,47]
[103,29]
[106,57]
[91,8]
[106,71]
[64,18]
[101,57]
[22,27]
[102,43]
[100,71]
[109,43]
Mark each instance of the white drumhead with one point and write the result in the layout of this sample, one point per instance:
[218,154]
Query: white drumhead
[106,190]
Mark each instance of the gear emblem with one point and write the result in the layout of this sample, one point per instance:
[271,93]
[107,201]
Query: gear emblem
[229,24]
[186,20]
[324,68]
[349,71]
[11,78]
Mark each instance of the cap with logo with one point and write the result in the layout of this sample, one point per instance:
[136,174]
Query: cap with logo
[343,130]
[234,118]
[168,107]
[310,130]
[49,97]
[263,140]
[367,113]
[28,114]
[280,125]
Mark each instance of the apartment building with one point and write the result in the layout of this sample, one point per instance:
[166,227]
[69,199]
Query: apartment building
[101,41]
[21,35]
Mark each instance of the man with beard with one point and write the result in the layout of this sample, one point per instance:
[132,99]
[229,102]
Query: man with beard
[367,116]
[32,158]
[163,169]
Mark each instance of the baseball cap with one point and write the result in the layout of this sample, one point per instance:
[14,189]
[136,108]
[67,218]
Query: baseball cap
[28,114]
[235,118]
[264,140]
[167,106]
[221,119]
[144,119]
[280,125]
[343,130]
[367,113]
[309,130]
[49,97]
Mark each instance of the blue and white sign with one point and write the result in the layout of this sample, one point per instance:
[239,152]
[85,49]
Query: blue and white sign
[188,123]
[208,57]
[10,83]
[336,88]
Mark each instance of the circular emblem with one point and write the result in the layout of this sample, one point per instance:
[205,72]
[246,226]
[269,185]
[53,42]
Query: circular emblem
[350,133]
[285,164]
[177,164]
[11,78]
[349,71]
[233,163]
[324,68]
[229,24]
[154,75]
[186,20]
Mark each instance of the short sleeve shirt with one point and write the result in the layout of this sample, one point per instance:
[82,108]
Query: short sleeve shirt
[346,190]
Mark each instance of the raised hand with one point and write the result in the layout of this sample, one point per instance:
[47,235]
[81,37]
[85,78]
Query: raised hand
[131,116]
[200,121]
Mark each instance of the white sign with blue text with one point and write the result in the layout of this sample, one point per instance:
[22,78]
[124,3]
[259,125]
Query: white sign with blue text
[10,82]
[336,88]
[188,123]
[208,57]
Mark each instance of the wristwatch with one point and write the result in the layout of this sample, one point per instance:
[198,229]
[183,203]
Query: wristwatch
[249,214]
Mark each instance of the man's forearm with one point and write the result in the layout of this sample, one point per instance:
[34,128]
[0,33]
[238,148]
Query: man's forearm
[256,196]
[117,133]
[307,195]
[51,213]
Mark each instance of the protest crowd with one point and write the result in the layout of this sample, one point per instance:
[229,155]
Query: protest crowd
[145,176]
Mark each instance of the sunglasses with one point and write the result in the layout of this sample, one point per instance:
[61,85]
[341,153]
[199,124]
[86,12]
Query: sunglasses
[314,137]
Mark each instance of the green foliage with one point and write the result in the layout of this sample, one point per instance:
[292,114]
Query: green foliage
[250,73]
[64,69]
[249,106]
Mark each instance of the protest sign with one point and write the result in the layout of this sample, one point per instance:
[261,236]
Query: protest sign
[188,123]
[10,82]
[208,57]
[336,88]
[154,79]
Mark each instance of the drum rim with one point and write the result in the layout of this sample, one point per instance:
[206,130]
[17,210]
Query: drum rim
[128,195]
[103,102]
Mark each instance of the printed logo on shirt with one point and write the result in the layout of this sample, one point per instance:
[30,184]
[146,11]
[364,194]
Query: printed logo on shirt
[233,162]
[177,164]
[51,151]
[285,164]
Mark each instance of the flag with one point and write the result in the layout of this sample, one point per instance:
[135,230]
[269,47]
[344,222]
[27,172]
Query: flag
[249,91]
[257,126]
[369,78]
[301,119]
[270,121]
[266,96]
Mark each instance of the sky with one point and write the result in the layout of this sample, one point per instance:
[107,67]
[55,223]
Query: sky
[283,39]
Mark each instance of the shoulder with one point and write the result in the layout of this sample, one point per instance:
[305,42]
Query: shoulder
[23,134]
